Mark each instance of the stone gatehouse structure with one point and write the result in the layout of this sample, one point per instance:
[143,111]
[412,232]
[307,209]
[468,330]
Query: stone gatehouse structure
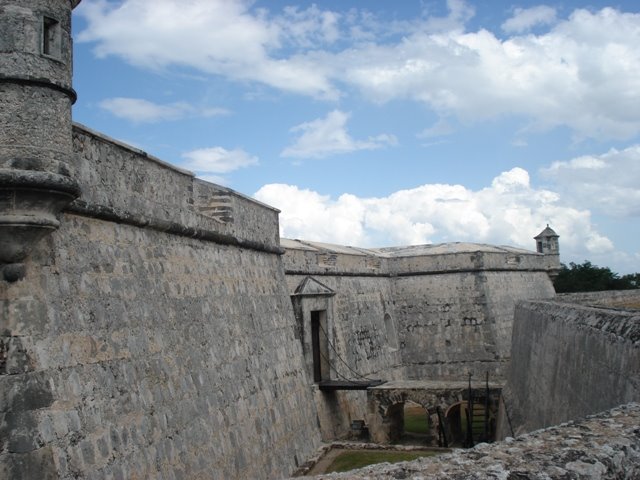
[153,325]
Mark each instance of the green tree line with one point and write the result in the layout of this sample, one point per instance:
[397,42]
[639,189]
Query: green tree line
[587,277]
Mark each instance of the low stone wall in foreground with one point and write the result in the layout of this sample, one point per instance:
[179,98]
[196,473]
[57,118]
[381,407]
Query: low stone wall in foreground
[600,447]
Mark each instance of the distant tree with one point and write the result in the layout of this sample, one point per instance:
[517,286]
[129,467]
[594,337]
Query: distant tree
[587,277]
[632,279]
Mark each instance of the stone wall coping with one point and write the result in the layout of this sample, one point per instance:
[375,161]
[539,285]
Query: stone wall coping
[135,150]
[607,298]
[427,250]
[182,171]
[615,321]
[321,247]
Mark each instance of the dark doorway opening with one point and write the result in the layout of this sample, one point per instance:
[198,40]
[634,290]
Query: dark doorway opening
[320,345]
[481,419]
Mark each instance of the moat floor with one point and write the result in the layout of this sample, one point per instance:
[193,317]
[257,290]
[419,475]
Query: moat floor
[327,460]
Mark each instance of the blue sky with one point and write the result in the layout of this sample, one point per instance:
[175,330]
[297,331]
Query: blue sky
[377,123]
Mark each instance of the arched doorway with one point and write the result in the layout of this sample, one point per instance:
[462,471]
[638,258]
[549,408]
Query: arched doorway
[406,422]
[417,426]
[481,419]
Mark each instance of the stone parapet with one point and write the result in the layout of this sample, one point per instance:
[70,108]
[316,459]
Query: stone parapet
[469,262]
[325,259]
[126,185]
[314,258]
[128,352]
[627,299]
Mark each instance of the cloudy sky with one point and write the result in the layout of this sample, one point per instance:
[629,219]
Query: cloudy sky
[376,123]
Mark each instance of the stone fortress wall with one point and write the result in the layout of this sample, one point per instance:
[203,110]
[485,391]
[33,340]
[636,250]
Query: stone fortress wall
[448,308]
[571,398]
[436,312]
[155,325]
[572,359]
[153,333]
[150,340]
[359,325]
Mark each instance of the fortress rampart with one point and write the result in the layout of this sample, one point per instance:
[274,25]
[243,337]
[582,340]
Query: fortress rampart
[430,312]
[153,325]
[131,349]
[570,360]
[440,309]
[571,357]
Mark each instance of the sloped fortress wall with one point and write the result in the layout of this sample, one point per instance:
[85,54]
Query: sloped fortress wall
[429,312]
[423,312]
[151,335]
[455,303]
[456,324]
[570,360]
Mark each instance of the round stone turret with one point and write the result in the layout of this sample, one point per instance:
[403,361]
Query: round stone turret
[36,151]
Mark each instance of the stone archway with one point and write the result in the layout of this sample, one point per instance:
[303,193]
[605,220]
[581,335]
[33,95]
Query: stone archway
[386,403]
[418,426]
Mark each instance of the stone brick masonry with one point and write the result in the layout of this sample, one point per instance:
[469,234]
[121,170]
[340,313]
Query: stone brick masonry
[130,352]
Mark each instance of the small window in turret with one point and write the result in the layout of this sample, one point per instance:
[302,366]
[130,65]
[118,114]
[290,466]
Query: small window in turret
[51,38]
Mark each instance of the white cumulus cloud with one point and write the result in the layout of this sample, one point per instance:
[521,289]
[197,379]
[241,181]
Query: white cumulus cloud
[526,18]
[138,110]
[221,37]
[328,136]
[609,183]
[583,73]
[509,211]
[216,160]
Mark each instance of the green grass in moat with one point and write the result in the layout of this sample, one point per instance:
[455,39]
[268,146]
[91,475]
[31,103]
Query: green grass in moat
[357,459]
[415,420]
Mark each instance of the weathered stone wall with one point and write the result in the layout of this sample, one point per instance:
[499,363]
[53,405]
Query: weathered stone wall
[448,313]
[455,310]
[125,184]
[362,333]
[413,313]
[149,341]
[363,328]
[626,299]
[603,447]
[461,257]
[445,327]
[568,361]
